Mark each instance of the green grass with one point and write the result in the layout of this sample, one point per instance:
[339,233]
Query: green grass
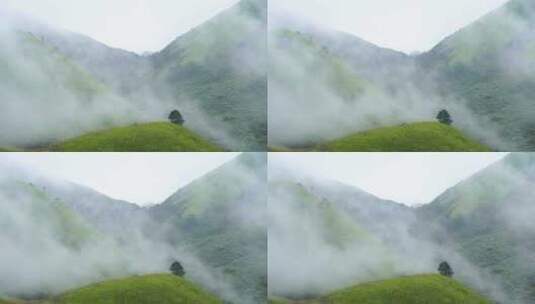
[149,137]
[8,150]
[419,289]
[147,289]
[422,136]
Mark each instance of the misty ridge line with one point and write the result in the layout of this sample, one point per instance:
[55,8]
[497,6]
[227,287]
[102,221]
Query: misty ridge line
[43,178]
[34,23]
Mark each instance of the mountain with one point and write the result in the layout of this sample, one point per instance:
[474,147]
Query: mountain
[411,289]
[333,229]
[222,66]
[33,76]
[481,74]
[486,218]
[214,74]
[47,234]
[119,69]
[489,64]
[221,218]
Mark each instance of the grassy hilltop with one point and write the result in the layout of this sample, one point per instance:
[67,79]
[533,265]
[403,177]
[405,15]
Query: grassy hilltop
[422,136]
[146,289]
[418,289]
[157,136]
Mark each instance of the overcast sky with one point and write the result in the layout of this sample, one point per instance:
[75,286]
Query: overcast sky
[409,178]
[134,25]
[404,25]
[141,178]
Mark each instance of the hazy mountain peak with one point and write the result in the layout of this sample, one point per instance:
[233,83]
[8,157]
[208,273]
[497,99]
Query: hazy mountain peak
[254,8]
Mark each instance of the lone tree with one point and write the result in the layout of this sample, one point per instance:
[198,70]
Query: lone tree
[177,269]
[176,118]
[444,117]
[445,269]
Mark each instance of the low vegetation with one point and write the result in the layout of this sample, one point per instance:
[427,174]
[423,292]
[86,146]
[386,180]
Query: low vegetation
[422,136]
[418,289]
[148,137]
[146,289]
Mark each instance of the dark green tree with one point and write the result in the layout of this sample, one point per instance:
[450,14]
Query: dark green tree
[176,118]
[177,269]
[445,269]
[444,117]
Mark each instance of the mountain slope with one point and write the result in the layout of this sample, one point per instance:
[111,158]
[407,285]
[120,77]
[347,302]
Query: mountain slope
[409,290]
[157,288]
[489,65]
[121,70]
[59,99]
[332,229]
[49,227]
[221,218]
[486,219]
[221,66]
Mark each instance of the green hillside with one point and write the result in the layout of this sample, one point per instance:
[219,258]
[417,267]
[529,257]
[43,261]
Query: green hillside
[339,229]
[221,66]
[147,289]
[205,217]
[8,150]
[489,65]
[158,137]
[314,59]
[418,289]
[423,136]
[487,219]
[37,55]
[48,213]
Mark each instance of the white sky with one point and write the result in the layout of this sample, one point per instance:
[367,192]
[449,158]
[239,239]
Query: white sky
[141,178]
[404,25]
[409,178]
[134,25]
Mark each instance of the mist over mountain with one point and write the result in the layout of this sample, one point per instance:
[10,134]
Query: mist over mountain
[214,74]
[486,218]
[58,235]
[324,236]
[480,74]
